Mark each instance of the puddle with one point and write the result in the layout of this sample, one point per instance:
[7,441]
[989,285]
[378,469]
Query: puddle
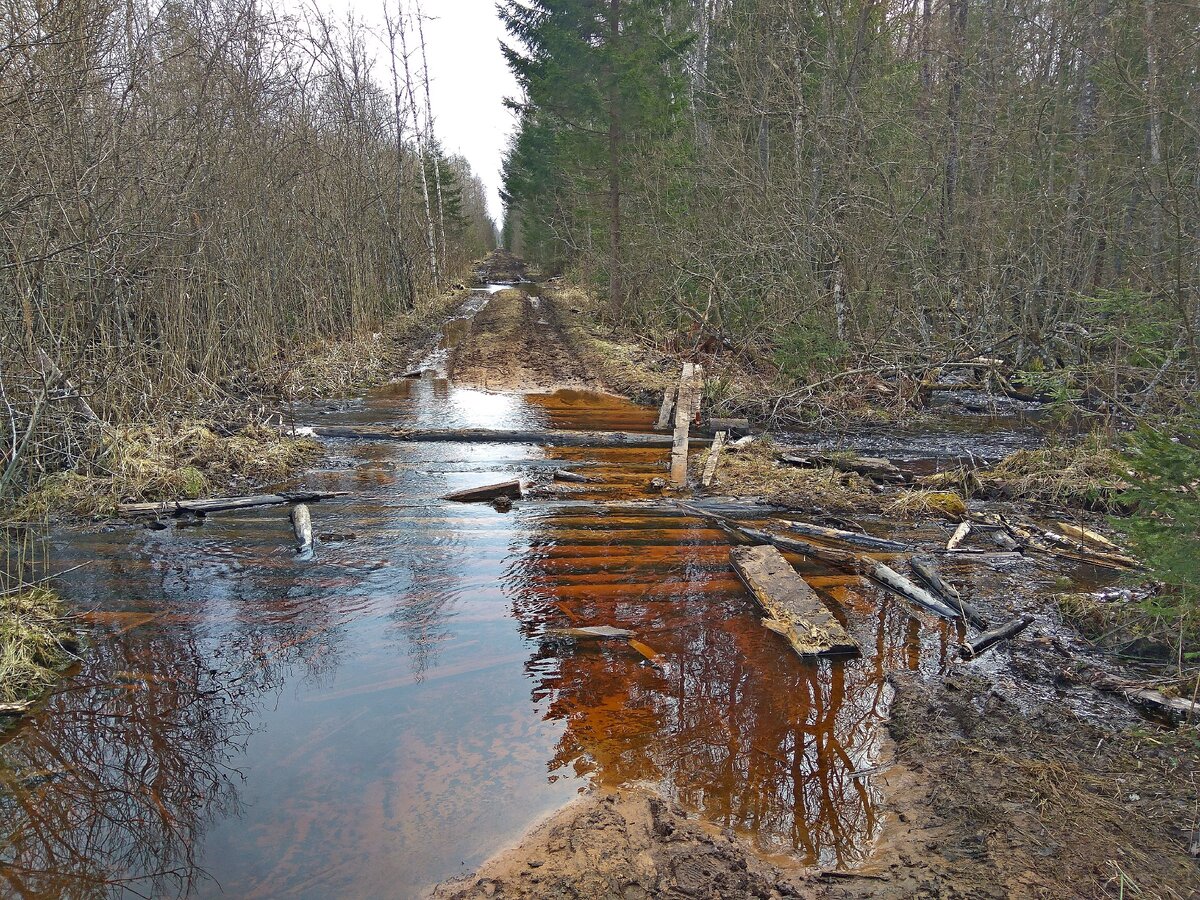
[391,712]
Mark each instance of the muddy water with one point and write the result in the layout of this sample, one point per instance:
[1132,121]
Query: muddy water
[391,711]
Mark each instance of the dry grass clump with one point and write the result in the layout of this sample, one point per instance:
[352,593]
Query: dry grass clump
[917,503]
[1087,474]
[35,643]
[149,463]
[755,471]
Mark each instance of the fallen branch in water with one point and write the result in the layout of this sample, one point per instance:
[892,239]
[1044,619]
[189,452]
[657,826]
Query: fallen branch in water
[223,504]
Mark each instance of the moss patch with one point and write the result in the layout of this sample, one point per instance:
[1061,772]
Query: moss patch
[915,503]
[35,643]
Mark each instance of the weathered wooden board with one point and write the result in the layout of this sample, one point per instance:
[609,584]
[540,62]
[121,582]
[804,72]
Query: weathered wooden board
[714,455]
[793,609]
[510,489]
[664,411]
[683,421]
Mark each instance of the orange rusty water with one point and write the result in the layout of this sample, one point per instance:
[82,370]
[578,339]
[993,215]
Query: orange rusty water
[390,712]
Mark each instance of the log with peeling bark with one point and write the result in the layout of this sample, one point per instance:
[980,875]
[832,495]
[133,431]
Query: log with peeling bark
[302,526]
[510,489]
[548,438]
[989,639]
[926,570]
[1049,542]
[794,611]
[853,562]
[960,535]
[714,455]
[853,538]
[875,468]
[224,504]
[664,411]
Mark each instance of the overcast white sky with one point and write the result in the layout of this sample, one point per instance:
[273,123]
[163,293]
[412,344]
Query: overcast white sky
[469,79]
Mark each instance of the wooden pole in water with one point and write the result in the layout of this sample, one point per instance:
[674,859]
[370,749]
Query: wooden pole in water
[302,525]
[683,421]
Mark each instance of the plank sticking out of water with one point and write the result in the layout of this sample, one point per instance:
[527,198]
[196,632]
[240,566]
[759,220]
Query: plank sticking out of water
[793,609]
[302,525]
[664,411]
[221,504]
[510,489]
[547,438]
[714,455]
[683,421]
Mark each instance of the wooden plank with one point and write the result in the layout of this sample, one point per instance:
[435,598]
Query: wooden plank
[221,504]
[548,438]
[664,411]
[683,421]
[714,455]
[510,489]
[793,609]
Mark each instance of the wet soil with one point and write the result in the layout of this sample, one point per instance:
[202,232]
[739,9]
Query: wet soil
[391,711]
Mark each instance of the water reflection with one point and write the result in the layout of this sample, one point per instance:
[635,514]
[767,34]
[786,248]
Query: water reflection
[359,723]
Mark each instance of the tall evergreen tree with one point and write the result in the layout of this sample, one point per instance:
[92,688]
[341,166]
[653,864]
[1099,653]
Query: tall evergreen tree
[598,76]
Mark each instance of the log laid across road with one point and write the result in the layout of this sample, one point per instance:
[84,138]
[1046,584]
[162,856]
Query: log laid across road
[548,437]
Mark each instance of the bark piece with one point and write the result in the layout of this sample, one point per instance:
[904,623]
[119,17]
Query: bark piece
[221,504]
[793,609]
[960,535]
[510,489]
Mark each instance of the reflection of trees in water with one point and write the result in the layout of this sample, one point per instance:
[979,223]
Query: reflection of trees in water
[737,727]
[116,780]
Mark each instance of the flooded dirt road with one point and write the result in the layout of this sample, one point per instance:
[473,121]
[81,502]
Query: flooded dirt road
[391,711]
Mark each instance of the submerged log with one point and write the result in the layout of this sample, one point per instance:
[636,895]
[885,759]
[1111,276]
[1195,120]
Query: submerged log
[927,571]
[222,504]
[551,438]
[575,477]
[302,525]
[590,632]
[510,489]
[714,454]
[853,538]
[793,609]
[989,639]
